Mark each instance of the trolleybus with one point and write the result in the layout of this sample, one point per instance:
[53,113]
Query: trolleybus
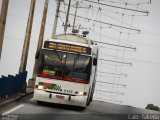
[66,71]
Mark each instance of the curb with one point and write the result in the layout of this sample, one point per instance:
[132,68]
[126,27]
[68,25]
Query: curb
[14,99]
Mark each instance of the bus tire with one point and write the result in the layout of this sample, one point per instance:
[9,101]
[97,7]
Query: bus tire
[39,102]
[88,100]
[92,92]
[91,98]
[82,108]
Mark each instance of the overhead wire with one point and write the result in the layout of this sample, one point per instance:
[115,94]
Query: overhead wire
[110,83]
[123,54]
[124,8]
[122,18]
[128,37]
[100,45]
[117,12]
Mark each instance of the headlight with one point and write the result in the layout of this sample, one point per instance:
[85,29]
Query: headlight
[81,93]
[40,87]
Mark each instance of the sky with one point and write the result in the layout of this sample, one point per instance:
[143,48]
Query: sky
[143,78]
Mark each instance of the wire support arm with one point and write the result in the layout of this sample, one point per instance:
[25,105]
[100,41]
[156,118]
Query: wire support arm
[109,92]
[115,61]
[113,73]
[112,83]
[146,12]
[133,29]
[116,45]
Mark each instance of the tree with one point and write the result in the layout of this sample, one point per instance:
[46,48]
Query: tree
[152,107]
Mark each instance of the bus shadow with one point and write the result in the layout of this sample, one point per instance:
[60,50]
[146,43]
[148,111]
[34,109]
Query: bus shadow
[62,106]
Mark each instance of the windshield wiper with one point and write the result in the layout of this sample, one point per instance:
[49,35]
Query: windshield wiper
[75,61]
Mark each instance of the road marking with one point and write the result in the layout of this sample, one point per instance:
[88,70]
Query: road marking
[13,109]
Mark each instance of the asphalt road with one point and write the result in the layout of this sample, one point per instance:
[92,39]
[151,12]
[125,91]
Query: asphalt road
[27,109]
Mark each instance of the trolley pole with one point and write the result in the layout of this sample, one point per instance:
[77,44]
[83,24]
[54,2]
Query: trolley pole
[3,17]
[67,16]
[40,40]
[27,38]
[56,19]
[75,17]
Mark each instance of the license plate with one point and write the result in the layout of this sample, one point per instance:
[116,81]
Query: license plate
[60,96]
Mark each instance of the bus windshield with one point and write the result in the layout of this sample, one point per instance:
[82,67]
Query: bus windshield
[64,66]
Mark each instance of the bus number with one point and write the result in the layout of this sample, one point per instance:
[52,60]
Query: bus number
[68,91]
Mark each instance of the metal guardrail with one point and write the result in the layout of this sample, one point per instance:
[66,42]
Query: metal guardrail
[12,85]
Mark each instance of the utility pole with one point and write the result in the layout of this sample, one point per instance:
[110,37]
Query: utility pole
[3,18]
[27,38]
[56,19]
[41,35]
[67,16]
[75,17]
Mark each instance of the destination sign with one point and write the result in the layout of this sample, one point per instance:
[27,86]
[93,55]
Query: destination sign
[67,47]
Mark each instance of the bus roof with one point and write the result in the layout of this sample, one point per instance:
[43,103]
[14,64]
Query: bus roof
[74,38]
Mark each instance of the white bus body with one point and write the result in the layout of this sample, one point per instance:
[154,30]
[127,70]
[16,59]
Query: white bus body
[73,81]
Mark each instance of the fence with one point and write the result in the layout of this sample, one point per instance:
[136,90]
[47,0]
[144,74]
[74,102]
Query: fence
[11,85]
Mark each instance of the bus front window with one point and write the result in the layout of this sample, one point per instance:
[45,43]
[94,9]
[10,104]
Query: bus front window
[77,68]
[66,66]
[50,64]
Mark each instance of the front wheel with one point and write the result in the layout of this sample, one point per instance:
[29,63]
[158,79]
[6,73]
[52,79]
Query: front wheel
[39,102]
[82,108]
[91,98]
[88,100]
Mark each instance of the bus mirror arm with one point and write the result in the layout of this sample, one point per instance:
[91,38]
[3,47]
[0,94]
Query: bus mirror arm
[94,61]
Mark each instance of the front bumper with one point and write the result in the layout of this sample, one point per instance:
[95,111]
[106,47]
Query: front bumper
[41,95]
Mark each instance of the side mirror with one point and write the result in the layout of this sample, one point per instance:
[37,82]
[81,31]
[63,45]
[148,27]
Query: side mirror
[94,61]
[37,55]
